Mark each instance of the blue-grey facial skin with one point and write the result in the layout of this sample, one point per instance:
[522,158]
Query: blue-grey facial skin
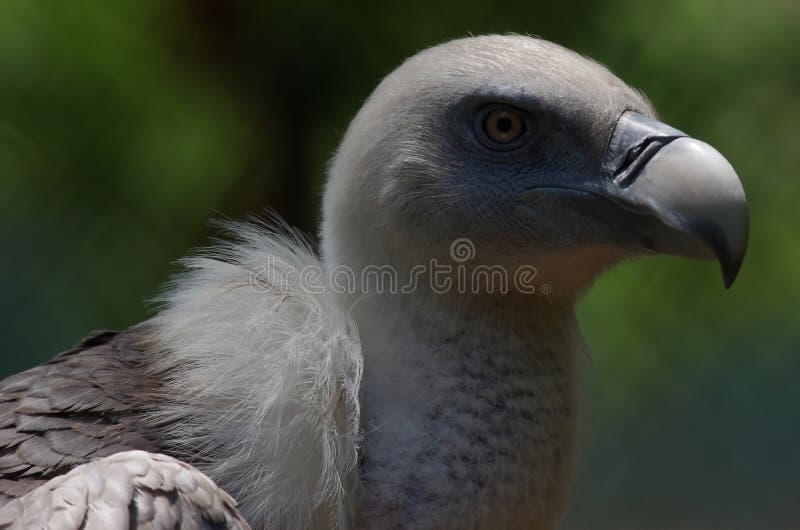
[543,191]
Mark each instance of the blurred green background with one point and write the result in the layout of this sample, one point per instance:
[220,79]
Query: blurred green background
[125,126]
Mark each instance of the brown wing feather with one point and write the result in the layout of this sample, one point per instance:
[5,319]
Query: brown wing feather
[80,406]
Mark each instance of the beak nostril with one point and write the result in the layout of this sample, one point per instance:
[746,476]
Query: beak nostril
[633,154]
[634,140]
[637,157]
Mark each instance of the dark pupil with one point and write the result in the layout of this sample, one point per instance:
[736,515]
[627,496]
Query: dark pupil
[504,125]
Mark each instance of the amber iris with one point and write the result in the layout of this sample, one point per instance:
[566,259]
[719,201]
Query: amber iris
[503,125]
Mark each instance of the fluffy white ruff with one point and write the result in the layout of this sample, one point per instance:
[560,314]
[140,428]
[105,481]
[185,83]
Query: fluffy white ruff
[262,379]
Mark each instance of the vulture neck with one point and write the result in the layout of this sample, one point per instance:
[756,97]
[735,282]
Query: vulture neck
[469,409]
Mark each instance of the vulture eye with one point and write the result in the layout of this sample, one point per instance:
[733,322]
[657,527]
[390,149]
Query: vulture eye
[502,126]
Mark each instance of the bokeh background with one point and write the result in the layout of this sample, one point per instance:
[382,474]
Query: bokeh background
[125,126]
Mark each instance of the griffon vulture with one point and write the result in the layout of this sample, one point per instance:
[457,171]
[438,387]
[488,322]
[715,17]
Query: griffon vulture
[322,392]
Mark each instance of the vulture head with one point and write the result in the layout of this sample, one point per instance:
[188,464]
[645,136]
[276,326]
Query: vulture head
[537,155]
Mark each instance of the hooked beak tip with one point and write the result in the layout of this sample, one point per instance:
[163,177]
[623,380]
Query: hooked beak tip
[693,189]
[689,188]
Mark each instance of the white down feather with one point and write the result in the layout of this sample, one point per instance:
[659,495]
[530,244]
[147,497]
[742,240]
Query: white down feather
[262,378]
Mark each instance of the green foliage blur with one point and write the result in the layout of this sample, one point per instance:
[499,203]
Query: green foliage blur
[125,126]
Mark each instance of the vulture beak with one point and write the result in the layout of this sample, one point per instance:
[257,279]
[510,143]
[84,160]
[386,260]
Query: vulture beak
[687,195]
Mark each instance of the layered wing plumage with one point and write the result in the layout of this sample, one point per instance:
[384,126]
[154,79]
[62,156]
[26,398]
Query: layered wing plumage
[80,406]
